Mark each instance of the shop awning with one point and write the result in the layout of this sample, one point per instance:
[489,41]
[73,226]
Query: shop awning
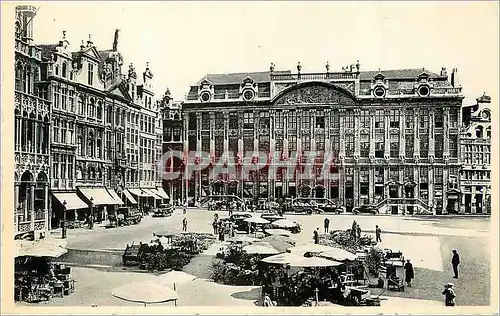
[162,193]
[129,197]
[138,192]
[100,196]
[73,202]
[152,194]
[115,197]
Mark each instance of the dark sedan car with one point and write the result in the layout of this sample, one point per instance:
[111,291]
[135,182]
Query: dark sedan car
[365,209]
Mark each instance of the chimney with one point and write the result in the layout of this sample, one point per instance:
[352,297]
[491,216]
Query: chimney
[444,73]
[454,78]
[82,46]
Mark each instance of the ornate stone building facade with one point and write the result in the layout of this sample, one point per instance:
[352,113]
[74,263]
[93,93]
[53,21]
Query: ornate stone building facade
[172,141]
[102,131]
[395,134]
[31,131]
[475,143]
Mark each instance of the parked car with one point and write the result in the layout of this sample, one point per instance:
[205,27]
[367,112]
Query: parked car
[128,216]
[332,208]
[238,219]
[163,210]
[365,209]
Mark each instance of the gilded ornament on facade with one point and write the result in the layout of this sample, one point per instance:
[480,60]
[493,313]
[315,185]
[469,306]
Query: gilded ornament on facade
[315,95]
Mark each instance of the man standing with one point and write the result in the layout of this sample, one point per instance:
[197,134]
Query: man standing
[378,232]
[455,261]
[214,226]
[185,224]
[327,225]
[409,273]
[449,295]
[316,236]
[354,230]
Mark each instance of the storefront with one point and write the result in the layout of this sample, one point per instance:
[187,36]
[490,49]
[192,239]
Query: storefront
[68,202]
[99,200]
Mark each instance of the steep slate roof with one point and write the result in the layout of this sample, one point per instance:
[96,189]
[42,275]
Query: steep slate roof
[237,78]
[397,74]
[47,49]
[264,76]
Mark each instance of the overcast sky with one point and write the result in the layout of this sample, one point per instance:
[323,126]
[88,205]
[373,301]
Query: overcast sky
[185,40]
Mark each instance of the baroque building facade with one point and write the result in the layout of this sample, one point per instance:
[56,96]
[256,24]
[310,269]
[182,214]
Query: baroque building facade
[395,134]
[95,128]
[32,116]
[172,141]
[475,142]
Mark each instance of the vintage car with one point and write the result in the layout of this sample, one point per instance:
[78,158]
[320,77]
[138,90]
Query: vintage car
[163,210]
[365,209]
[125,216]
[332,208]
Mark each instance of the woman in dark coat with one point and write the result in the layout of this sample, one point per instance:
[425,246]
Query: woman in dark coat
[409,273]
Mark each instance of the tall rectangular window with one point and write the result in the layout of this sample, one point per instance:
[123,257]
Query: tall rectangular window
[264,121]
[409,119]
[379,119]
[64,98]
[424,119]
[305,123]
[306,143]
[320,119]
[192,122]
[424,145]
[233,121]
[453,144]
[364,119]
[334,119]
[248,120]
[438,145]
[408,173]
[394,173]
[292,143]
[279,120]
[394,149]
[90,74]
[409,146]
[349,119]
[438,118]
[219,121]
[394,118]
[205,121]
[349,145]
[438,175]
[364,149]
[453,118]
[57,96]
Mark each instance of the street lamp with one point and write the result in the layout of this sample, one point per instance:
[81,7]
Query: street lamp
[91,219]
[63,226]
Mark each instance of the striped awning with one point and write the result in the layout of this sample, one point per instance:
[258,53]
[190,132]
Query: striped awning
[162,193]
[73,202]
[152,194]
[139,192]
[99,196]
[115,197]
[129,197]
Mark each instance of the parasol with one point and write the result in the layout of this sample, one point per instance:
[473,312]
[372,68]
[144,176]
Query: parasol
[264,249]
[284,223]
[338,254]
[145,292]
[176,277]
[310,248]
[314,262]
[282,258]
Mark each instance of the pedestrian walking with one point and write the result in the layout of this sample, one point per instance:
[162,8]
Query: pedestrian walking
[354,230]
[409,272]
[327,225]
[358,232]
[185,224]
[316,236]
[184,209]
[449,295]
[455,261]
[214,226]
[378,233]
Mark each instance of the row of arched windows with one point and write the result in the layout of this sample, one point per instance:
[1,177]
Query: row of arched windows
[31,132]
[25,76]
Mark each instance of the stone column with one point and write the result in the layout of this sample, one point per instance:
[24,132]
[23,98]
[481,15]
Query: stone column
[372,134]
[444,196]
[387,135]
[402,139]
[371,184]
[32,205]
[473,200]
[446,134]
[272,148]
[342,176]
[342,133]
[185,179]
[356,185]
[328,149]
[401,188]
[431,189]
[285,150]
[226,128]
[431,134]
[416,137]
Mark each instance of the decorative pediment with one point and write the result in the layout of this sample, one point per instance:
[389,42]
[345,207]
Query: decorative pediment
[92,53]
[379,76]
[248,81]
[315,94]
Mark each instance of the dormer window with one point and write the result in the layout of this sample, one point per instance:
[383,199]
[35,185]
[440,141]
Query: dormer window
[90,74]
[479,132]
[64,70]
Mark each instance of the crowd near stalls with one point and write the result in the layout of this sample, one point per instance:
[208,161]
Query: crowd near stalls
[167,250]
[343,267]
[36,276]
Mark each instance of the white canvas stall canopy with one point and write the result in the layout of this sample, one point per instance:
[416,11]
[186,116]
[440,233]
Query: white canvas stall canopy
[129,197]
[115,197]
[100,196]
[73,202]
[162,193]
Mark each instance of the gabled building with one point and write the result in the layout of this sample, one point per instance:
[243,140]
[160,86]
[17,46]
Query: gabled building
[475,176]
